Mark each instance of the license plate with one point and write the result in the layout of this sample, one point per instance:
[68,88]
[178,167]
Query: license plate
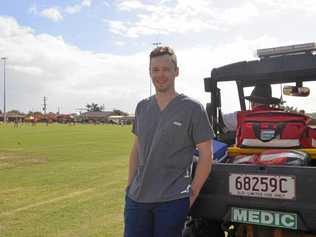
[263,186]
[264,217]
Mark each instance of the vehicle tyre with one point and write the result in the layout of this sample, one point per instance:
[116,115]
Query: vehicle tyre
[200,227]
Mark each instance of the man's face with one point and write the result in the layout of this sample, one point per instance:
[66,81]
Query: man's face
[163,73]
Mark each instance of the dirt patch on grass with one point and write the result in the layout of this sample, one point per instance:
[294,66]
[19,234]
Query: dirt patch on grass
[11,149]
[11,161]
[13,190]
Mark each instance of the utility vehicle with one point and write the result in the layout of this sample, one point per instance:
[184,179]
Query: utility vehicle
[259,200]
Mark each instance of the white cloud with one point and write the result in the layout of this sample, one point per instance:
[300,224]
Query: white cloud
[56,13]
[120,43]
[117,26]
[44,65]
[236,15]
[9,27]
[86,3]
[185,17]
[73,9]
[200,16]
[164,1]
[76,8]
[36,71]
[52,13]
[134,5]
[307,6]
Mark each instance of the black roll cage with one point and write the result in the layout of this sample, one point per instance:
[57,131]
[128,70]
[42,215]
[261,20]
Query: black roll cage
[295,68]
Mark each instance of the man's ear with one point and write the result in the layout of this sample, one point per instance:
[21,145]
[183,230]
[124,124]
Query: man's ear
[177,71]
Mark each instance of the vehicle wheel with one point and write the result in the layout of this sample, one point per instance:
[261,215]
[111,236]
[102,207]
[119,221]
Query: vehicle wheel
[200,227]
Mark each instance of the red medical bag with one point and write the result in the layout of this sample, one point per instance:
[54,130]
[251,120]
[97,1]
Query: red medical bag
[271,128]
[311,138]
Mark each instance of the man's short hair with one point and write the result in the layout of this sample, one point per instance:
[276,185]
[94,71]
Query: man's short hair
[164,50]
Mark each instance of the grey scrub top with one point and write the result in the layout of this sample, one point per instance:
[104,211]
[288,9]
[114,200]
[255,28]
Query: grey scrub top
[167,139]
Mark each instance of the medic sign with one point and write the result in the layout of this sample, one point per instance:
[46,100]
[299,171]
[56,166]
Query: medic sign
[264,217]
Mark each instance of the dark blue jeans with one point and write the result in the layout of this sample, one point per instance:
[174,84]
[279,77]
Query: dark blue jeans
[165,219]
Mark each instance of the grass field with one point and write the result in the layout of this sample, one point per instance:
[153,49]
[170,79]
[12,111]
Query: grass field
[62,180]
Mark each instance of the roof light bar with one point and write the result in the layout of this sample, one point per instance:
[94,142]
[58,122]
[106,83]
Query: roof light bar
[291,49]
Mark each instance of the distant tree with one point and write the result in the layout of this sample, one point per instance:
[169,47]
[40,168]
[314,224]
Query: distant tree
[37,113]
[14,111]
[30,113]
[93,107]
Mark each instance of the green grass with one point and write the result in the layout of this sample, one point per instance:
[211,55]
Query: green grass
[63,180]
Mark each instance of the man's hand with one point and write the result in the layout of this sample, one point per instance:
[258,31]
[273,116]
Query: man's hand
[133,160]
[203,169]
[195,193]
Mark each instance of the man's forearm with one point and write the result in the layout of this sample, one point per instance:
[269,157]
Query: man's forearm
[132,163]
[202,171]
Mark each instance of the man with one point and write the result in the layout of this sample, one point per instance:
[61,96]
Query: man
[260,99]
[168,126]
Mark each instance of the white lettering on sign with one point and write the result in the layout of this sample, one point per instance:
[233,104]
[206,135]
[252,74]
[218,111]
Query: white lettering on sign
[266,218]
[263,217]
[240,215]
[254,216]
[288,220]
[277,219]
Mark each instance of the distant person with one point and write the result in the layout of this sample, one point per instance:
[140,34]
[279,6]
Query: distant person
[260,99]
[167,127]
[16,122]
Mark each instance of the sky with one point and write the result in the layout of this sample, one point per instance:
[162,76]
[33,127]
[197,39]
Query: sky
[82,51]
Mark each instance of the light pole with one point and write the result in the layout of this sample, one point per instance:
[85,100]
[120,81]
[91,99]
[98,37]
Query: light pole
[4,91]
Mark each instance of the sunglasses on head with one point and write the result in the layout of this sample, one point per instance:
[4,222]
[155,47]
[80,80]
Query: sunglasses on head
[162,51]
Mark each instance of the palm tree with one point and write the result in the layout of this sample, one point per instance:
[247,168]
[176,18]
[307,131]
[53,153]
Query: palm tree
[93,107]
